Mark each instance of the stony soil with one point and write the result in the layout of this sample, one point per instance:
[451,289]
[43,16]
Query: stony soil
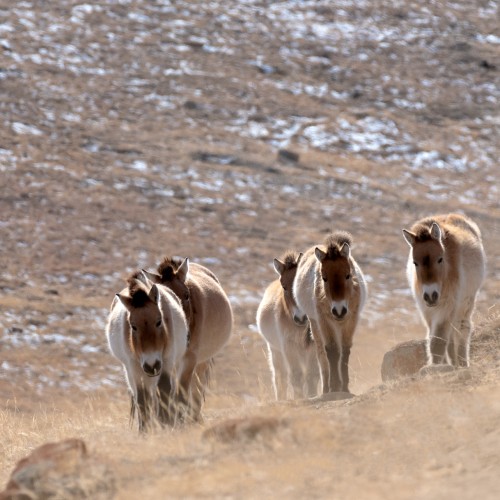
[230,132]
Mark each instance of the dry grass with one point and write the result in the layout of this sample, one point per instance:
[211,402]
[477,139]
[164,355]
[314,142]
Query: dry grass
[134,131]
[424,437]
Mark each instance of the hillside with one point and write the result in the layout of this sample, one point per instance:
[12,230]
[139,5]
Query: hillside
[230,132]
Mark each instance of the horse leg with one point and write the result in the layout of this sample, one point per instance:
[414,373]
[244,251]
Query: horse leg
[312,373]
[279,371]
[438,342]
[322,356]
[463,333]
[296,370]
[166,411]
[333,353]
[199,384]
[188,367]
[144,408]
[344,375]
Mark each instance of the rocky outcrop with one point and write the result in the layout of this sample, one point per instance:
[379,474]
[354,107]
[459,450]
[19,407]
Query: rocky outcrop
[245,429]
[404,360]
[59,470]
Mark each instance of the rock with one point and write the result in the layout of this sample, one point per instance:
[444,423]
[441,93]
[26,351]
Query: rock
[435,370]
[59,470]
[404,359]
[287,155]
[245,429]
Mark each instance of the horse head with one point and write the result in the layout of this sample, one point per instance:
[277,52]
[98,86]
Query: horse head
[147,337]
[286,267]
[337,273]
[428,255]
[173,273]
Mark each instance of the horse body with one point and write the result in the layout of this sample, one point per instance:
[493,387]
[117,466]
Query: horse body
[210,321]
[330,288]
[286,331]
[147,332]
[446,267]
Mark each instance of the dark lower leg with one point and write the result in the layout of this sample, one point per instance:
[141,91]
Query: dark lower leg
[143,409]
[166,412]
[333,353]
[346,352]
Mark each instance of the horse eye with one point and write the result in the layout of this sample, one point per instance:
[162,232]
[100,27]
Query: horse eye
[158,323]
[324,279]
[348,277]
[440,260]
[416,265]
[134,328]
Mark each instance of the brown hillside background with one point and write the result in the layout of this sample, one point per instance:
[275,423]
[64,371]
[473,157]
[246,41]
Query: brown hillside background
[229,132]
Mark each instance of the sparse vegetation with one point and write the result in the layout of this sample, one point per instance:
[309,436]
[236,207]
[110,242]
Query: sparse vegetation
[229,132]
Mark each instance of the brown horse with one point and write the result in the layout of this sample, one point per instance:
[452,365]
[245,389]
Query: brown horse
[446,268]
[210,321]
[147,332]
[330,288]
[291,350]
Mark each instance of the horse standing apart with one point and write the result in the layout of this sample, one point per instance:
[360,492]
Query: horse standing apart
[330,288]
[290,346]
[147,332]
[210,321]
[446,267]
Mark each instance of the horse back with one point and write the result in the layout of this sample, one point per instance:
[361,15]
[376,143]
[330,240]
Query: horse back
[212,317]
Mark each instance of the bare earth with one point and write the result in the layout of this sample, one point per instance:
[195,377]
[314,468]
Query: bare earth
[230,132]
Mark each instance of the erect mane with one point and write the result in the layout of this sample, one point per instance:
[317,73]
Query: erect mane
[137,289]
[422,229]
[289,259]
[168,267]
[334,243]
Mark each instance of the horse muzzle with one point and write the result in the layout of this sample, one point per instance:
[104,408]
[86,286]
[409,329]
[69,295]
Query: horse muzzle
[339,313]
[152,370]
[300,320]
[431,299]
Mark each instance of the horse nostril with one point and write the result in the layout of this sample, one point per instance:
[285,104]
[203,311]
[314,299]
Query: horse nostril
[152,370]
[342,313]
[431,299]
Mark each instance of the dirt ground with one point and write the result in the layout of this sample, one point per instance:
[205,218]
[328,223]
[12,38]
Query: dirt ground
[230,132]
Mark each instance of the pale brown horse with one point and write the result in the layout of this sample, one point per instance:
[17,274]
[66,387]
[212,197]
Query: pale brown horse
[147,332]
[446,267]
[330,288]
[210,321]
[291,349]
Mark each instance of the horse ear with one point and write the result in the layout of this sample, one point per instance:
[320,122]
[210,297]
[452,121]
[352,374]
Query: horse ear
[151,277]
[153,294]
[436,231]
[345,251]
[183,270]
[409,237]
[279,266]
[320,255]
[125,300]
[300,257]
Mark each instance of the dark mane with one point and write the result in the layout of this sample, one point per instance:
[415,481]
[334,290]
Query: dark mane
[334,243]
[289,259]
[422,229]
[137,293]
[168,267]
